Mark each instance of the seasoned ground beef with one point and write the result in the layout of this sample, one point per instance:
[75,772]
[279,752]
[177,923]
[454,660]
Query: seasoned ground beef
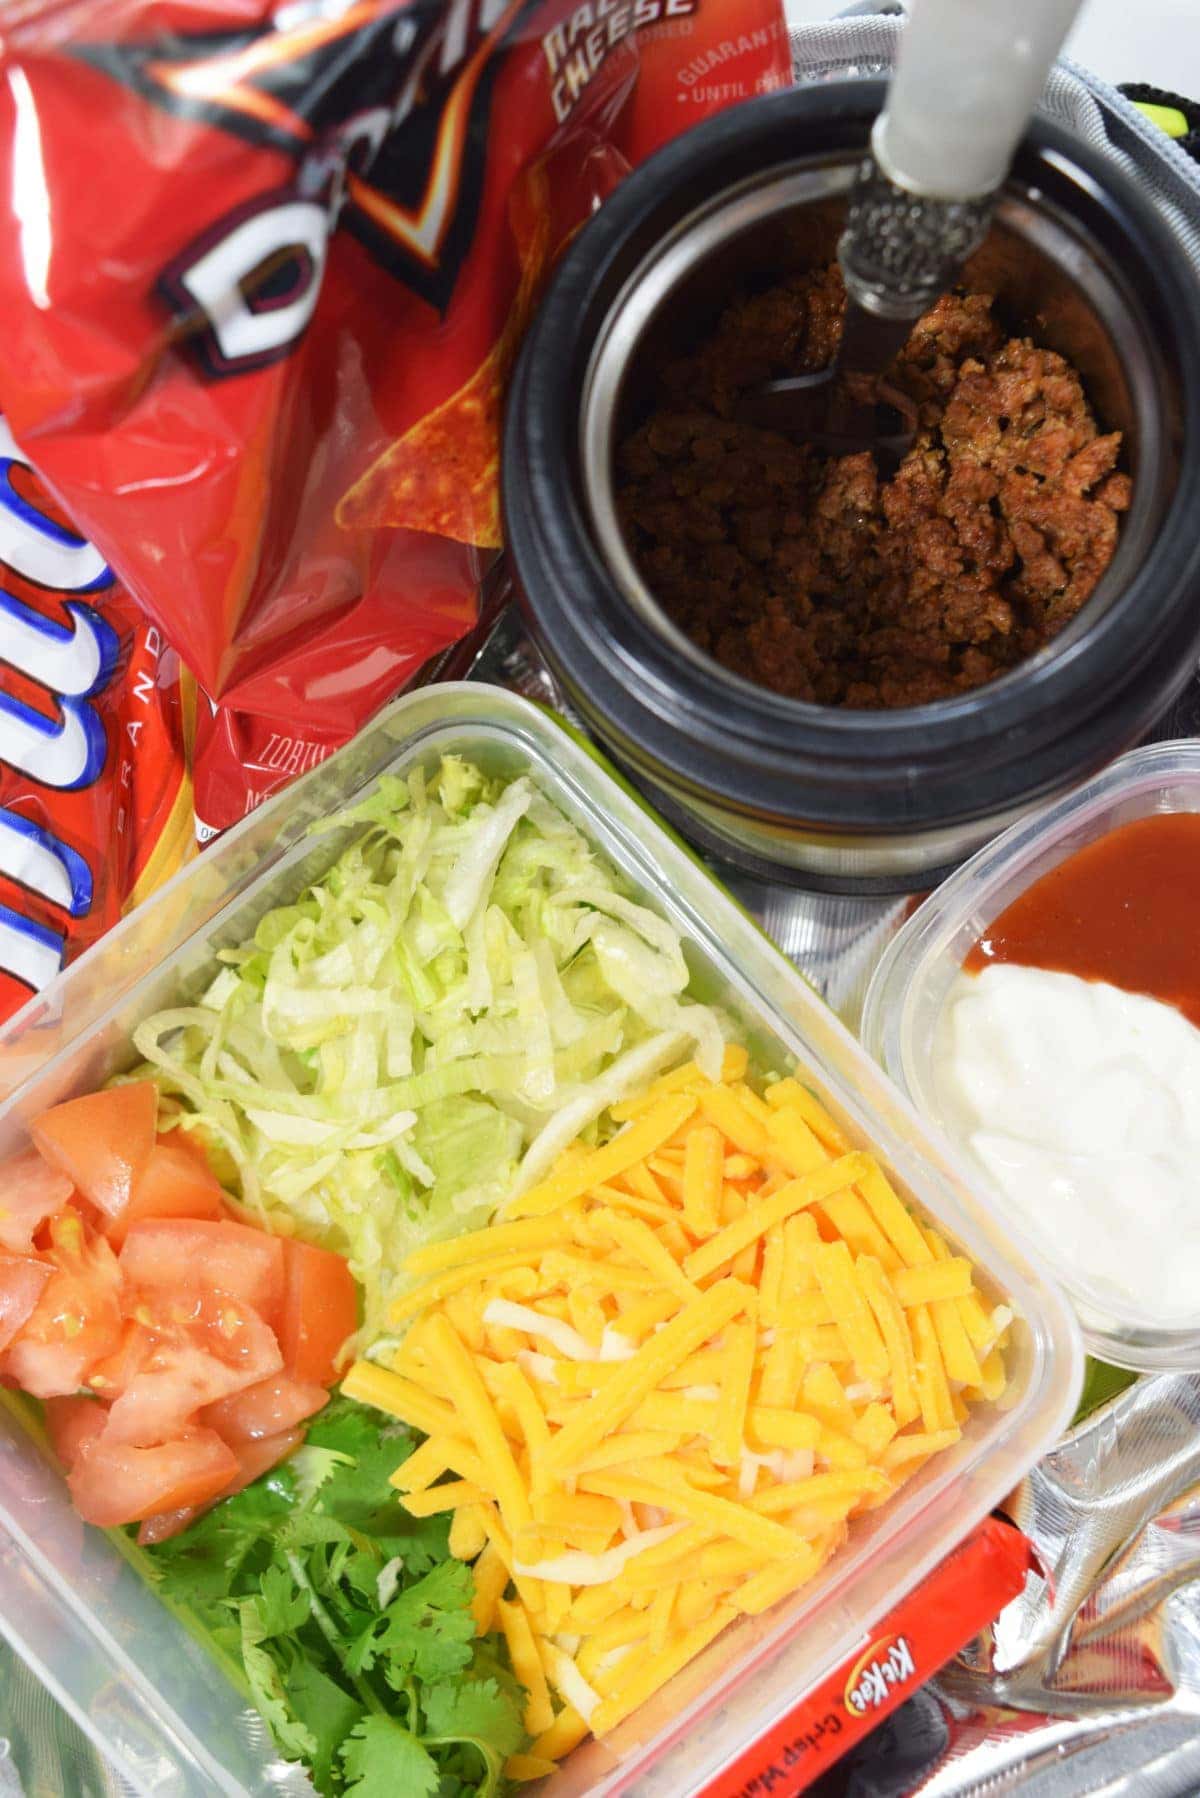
[810,575]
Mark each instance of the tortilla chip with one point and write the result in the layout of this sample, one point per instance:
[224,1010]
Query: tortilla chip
[442,476]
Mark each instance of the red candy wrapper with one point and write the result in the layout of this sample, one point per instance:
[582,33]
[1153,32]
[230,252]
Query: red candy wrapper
[264,269]
[962,1595]
[95,802]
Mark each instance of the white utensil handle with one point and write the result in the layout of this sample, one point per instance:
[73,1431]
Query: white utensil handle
[968,77]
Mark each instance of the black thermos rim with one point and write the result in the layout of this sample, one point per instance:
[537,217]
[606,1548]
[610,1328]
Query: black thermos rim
[754,751]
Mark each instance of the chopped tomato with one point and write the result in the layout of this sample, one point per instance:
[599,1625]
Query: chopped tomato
[23,1279]
[149,1321]
[264,1410]
[77,1319]
[110,1376]
[173,1183]
[72,1422]
[165,1524]
[102,1141]
[320,1310]
[30,1192]
[184,1254]
[198,1348]
[257,1458]
[190,1142]
[114,1482]
[254,1459]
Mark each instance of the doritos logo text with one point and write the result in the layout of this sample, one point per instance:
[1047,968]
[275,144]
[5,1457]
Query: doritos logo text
[389,147]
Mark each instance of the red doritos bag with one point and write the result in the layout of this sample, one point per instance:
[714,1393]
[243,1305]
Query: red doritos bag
[95,803]
[263,272]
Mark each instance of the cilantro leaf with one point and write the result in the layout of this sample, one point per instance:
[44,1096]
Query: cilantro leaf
[266,1686]
[361,1573]
[476,1711]
[383,1760]
[351,1621]
[488,1664]
[347,1479]
[344,1426]
[312,1466]
[359,1490]
[306,1529]
[330,1713]
[282,1607]
[205,1564]
[427,1631]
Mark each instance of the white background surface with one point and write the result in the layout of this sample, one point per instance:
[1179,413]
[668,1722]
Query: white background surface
[1123,40]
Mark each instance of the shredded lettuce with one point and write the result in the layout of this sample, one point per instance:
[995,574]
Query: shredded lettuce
[419,1035]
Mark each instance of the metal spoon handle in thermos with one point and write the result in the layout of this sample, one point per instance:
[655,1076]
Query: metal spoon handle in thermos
[968,77]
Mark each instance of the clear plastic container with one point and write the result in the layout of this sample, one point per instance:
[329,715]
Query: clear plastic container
[122,1665]
[908,993]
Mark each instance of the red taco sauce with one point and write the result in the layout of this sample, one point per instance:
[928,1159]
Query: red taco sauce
[1126,910]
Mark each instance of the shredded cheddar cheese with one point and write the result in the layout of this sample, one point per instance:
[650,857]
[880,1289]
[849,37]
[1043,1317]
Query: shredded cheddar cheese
[657,1393]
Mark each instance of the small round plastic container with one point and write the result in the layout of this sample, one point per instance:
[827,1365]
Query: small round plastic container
[910,987]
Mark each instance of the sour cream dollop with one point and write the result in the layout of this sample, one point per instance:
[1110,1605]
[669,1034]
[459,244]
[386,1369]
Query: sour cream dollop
[1082,1104]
